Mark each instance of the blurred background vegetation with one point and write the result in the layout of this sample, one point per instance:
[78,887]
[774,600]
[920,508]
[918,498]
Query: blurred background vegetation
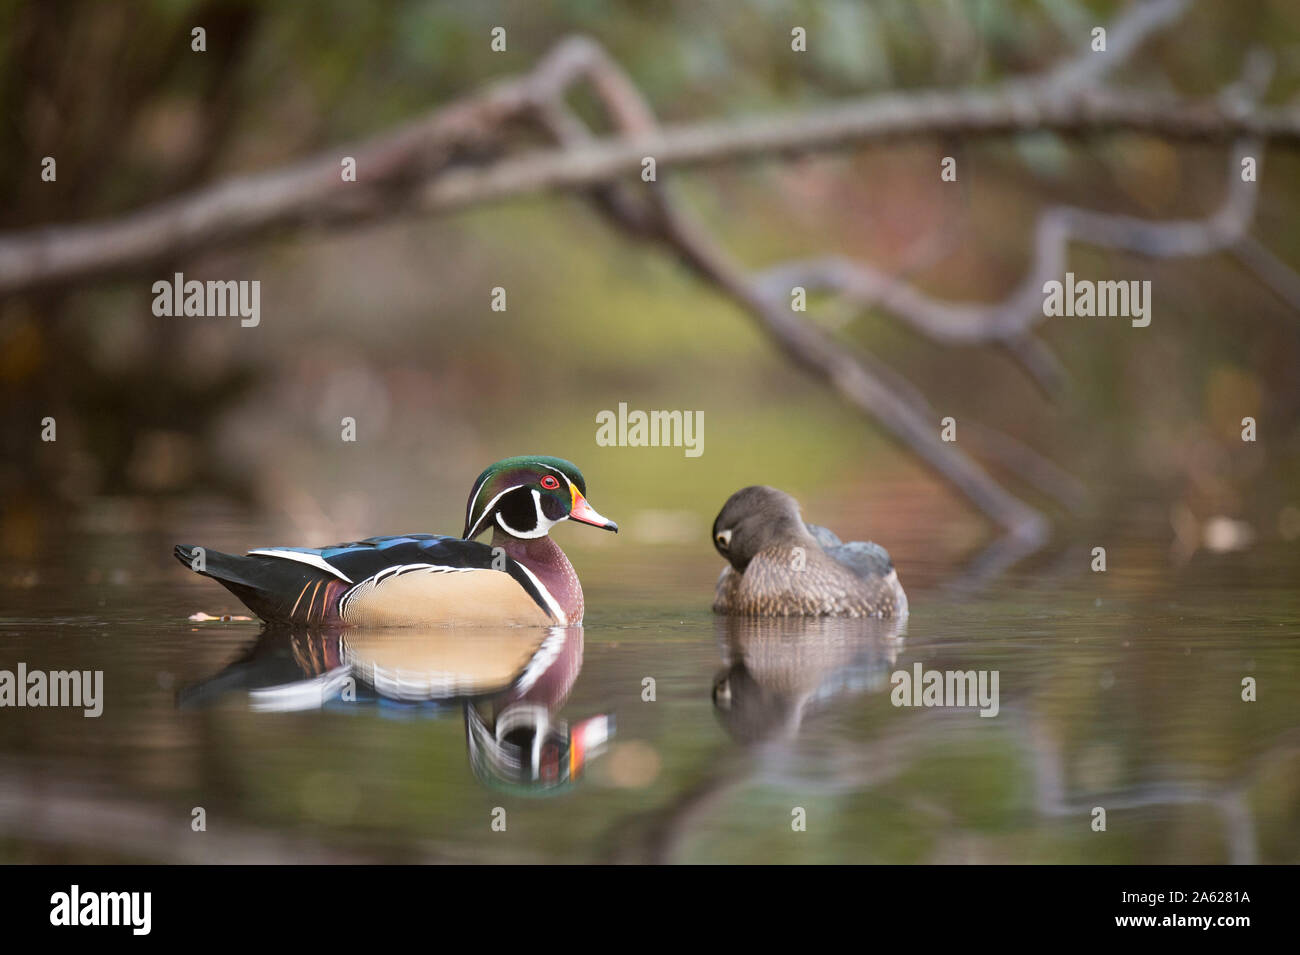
[391,323]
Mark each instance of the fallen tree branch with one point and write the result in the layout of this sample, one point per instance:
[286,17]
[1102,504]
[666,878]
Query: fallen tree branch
[964,323]
[880,119]
[897,405]
[1009,321]
[1269,269]
[1125,36]
[422,167]
[657,217]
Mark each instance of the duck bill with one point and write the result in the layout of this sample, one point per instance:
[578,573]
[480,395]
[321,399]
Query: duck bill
[584,513]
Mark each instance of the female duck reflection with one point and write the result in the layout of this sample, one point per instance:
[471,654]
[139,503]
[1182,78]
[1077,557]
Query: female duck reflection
[779,670]
[508,681]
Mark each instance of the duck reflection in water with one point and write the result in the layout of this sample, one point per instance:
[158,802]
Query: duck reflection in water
[780,670]
[509,683]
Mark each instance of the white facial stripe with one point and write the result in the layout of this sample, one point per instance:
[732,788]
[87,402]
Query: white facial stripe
[477,491]
[572,489]
[542,521]
[538,463]
[544,524]
[476,529]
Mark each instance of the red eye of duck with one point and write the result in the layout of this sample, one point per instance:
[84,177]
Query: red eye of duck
[550,483]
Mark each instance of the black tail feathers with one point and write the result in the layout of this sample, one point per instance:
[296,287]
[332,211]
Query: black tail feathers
[268,586]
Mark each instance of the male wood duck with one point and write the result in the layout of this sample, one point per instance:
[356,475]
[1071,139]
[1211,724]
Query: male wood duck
[521,579]
[781,567]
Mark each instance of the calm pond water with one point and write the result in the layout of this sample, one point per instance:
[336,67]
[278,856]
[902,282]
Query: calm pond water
[1120,690]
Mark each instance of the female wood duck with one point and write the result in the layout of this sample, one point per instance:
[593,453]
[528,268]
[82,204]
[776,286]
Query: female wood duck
[521,579]
[781,567]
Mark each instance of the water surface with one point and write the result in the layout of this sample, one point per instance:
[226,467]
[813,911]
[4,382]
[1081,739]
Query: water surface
[1120,690]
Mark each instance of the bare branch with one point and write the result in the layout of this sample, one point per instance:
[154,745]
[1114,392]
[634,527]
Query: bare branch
[1270,270]
[880,119]
[419,167]
[661,219]
[307,193]
[1123,38]
[966,323]
[1038,360]
[1008,322]
[896,404]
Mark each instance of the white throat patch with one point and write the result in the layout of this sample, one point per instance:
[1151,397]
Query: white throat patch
[544,523]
